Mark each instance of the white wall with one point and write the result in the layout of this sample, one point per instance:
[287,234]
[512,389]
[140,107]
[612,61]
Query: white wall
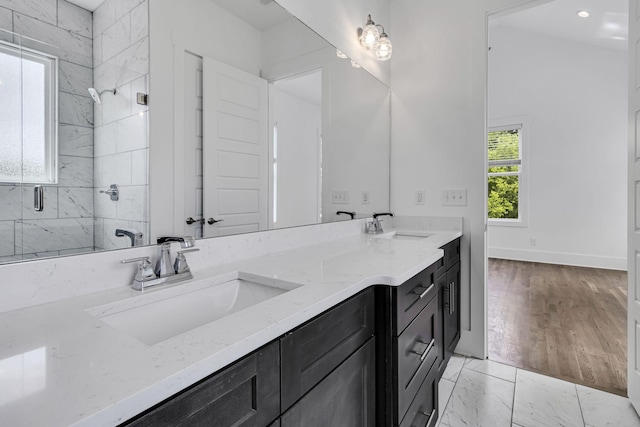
[299,123]
[438,129]
[574,96]
[337,21]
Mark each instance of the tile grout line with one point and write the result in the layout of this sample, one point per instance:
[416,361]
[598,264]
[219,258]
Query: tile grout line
[513,400]
[579,404]
[455,383]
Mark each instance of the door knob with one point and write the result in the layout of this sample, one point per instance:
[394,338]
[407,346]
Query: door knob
[193,221]
[213,221]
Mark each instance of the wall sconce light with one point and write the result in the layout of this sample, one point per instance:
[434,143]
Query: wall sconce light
[372,39]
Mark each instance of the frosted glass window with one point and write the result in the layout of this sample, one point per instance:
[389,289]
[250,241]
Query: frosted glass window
[28,116]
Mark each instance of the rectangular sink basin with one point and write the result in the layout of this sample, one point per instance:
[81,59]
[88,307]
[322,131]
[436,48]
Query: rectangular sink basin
[398,235]
[159,315]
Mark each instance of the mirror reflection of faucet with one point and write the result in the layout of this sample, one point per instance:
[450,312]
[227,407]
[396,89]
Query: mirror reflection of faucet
[135,236]
[351,214]
[375,226]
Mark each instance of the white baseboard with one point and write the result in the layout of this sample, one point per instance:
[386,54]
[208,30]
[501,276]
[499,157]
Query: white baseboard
[580,260]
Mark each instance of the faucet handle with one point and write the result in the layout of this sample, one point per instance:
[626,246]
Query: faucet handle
[180,265]
[145,270]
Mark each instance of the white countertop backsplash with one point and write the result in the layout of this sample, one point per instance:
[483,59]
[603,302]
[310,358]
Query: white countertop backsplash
[61,366]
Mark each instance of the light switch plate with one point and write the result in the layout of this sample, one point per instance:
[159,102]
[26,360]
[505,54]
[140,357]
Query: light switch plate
[420,194]
[454,197]
[366,197]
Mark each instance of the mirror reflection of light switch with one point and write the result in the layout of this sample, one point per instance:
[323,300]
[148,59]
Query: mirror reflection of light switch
[340,197]
[366,197]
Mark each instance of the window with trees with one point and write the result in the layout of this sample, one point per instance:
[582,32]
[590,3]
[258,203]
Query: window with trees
[28,116]
[505,173]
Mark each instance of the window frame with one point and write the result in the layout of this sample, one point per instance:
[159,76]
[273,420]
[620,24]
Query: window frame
[51,65]
[521,124]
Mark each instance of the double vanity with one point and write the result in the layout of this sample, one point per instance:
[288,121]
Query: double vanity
[344,328]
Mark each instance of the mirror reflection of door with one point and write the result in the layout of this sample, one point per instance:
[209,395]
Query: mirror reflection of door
[295,175]
[225,149]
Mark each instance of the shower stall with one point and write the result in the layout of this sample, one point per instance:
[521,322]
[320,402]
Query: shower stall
[61,152]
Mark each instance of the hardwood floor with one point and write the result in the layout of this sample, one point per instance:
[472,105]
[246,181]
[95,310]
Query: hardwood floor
[562,321]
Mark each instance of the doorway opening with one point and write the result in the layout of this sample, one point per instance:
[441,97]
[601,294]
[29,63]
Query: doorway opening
[557,198]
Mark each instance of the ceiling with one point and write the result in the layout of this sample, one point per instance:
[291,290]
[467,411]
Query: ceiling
[87,4]
[606,26]
[306,86]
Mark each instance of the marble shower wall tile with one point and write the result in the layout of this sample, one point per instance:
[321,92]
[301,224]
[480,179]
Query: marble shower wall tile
[72,47]
[133,62]
[104,207]
[11,206]
[7,238]
[75,171]
[42,10]
[139,167]
[479,400]
[75,202]
[123,7]
[75,110]
[105,140]
[75,19]
[55,234]
[116,38]
[104,17]
[6,22]
[140,22]
[117,169]
[75,141]
[132,205]
[545,402]
[131,133]
[75,79]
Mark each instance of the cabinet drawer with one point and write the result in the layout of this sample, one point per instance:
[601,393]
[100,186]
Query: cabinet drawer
[246,393]
[344,398]
[412,296]
[416,349]
[312,351]
[451,253]
[423,411]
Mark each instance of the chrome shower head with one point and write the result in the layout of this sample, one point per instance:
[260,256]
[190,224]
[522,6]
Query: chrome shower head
[96,95]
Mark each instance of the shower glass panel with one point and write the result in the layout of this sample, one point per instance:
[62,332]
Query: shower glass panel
[46,179]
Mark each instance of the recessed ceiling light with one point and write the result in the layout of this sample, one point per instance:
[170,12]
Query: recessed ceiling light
[583,14]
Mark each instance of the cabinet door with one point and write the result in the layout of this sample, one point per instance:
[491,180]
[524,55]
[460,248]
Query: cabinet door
[246,393]
[344,398]
[315,349]
[452,310]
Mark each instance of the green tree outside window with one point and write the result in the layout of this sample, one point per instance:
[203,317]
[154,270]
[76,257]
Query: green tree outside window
[504,174]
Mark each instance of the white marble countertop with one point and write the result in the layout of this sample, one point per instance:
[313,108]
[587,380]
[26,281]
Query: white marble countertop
[67,367]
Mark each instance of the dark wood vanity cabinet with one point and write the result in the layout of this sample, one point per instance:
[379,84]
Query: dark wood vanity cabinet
[449,303]
[372,361]
[246,393]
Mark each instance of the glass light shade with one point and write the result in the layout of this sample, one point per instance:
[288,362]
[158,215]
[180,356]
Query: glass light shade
[384,48]
[339,54]
[354,64]
[370,36]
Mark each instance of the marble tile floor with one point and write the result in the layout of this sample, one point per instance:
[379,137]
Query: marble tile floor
[478,393]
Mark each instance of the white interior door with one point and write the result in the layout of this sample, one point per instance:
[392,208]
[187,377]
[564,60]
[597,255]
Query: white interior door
[633,258]
[235,150]
[192,146]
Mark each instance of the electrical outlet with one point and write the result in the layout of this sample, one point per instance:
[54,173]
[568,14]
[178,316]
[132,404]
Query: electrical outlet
[366,197]
[532,241]
[340,197]
[420,194]
[454,197]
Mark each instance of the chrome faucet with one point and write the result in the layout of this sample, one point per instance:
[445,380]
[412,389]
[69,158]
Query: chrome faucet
[375,226]
[166,271]
[164,265]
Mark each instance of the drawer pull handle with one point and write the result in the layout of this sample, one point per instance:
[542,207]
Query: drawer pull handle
[423,354]
[433,412]
[452,297]
[425,292]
